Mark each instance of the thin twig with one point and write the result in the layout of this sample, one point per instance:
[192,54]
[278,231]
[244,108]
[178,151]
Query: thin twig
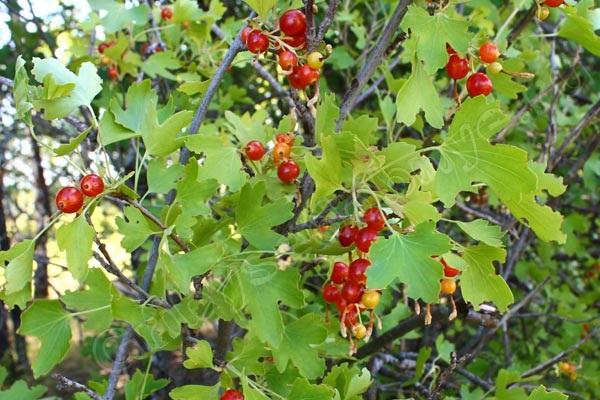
[66,384]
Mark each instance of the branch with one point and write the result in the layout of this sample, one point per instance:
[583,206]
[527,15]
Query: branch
[444,376]
[327,20]
[66,384]
[373,60]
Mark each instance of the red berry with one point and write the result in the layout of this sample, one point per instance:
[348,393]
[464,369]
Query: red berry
[295,41]
[288,171]
[341,304]
[457,68]
[489,52]
[166,13]
[331,293]
[339,274]
[303,76]
[257,42]
[287,138]
[245,33]
[449,271]
[553,3]
[113,73]
[287,59]
[103,46]
[293,23]
[352,292]
[479,83]
[69,199]
[374,219]
[357,270]
[91,185]
[350,315]
[449,49]
[255,150]
[347,235]
[232,395]
[364,239]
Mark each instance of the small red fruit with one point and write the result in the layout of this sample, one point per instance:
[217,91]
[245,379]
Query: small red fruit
[257,42]
[288,171]
[449,271]
[339,274]
[347,235]
[374,219]
[69,200]
[341,304]
[479,83]
[103,46]
[489,52]
[232,395]
[166,13]
[357,270]
[364,239]
[113,73]
[352,292]
[287,59]
[331,293]
[91,185]
[303,76]
[293,23]
[449,49]
[281,152]
[351,315]
[287,138]
[245,33]
[295,41]
[554,3]
[254,150]
[457,68]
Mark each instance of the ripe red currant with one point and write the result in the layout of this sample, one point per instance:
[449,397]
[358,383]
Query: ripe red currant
[303,76]
[293,23]
[479,83]
[287,138]
[295,41]
[489,52]
[232,395]
[352,292]
[347,235]
[257,42]
[364,239]
[91,185]
[113,73]
[166,13]
[457,68]
[288,171]
[287,59]
[331,293]
[374,219]
[357,270]
[245,33]
[69,200]
[254,150]
[449,271]
[103,46]
[350,315]
[553,3]
[341,304]
[449,49]
[339,274]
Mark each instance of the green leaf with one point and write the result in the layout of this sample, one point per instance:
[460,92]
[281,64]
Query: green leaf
[120,16]
[297,346]
[135,228]
[18,272]
[192,194]
[350,382]
[467,156]
[255,220]
[139,99]
[21,92]
[161,177]
[193,87]
[66,148]
[274,286]
[401,159]
[199,356]
[419,93]
[46,320]
[188,312]
[506,86]
[110,132]
[20,390]
[95,301]
[141,386]
[76,239]
[194,392]
[327,114]
[52,90]
[479,281]
[161,64]
[482,231]
[194,263]
[262,7]
[580,30]
[186,10]
[326,172]
[304,390]
[407,258]
[87,85]
[540,393]
[432,33]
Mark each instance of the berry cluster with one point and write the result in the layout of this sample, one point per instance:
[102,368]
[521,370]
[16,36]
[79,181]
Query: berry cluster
[287,169]
[302,69]
[70,199]
[478,83]
[232,394]
[112,71]
[346,287]
[542,10]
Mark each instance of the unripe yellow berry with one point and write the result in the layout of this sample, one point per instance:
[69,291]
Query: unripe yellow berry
[315,60]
